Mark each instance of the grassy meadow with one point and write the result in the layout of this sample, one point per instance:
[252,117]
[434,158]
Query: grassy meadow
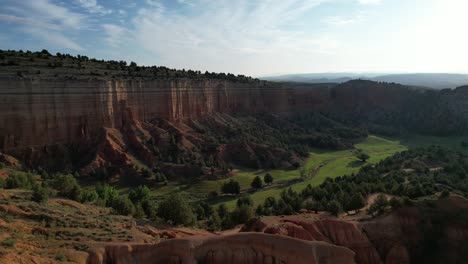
[325,164]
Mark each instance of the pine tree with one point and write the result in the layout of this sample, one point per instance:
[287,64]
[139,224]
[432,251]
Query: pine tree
[257,183]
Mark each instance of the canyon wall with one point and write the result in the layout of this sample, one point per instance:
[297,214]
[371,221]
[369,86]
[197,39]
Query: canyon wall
[40,112]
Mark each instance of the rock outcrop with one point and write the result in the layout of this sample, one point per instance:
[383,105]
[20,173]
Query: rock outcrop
[238,248]
[432,233]
[42,112]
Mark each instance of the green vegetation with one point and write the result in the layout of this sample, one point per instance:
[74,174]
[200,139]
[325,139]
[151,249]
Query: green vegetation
[40,194]
[8,242]
[268,179]
[177,210]
[257,183]
[379,205]
[22,180]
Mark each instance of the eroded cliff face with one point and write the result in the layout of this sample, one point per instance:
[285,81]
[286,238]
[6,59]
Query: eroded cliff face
[40,112]
[436,232]
[238,248]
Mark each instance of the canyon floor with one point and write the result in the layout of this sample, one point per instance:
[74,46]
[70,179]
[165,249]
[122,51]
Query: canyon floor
[63,230]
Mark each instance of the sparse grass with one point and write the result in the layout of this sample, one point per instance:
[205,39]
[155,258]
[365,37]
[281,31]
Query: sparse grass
[8,242]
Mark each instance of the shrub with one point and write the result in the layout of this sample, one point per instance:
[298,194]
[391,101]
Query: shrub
[67,186]
[257,183]
[268,179]
[40,194]
[176,209]
[245,200]
[334,207]
[107,193]
[8,242]
[88,196]
[214,221]
[139,194]
[379,205]
[20,180]
[444,194]
[357,202]
[123,205]
[242,214]
[231,187]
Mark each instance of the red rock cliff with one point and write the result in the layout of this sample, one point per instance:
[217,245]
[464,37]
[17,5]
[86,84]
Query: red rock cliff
[38,112]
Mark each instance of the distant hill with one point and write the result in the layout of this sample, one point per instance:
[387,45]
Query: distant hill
[431,80]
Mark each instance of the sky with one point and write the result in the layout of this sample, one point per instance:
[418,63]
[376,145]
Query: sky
[252,37]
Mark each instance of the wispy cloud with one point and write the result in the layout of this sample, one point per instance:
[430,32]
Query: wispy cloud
[234,32]
[45,20]
[114,34]
[93,7]
[55,39]
[369,2]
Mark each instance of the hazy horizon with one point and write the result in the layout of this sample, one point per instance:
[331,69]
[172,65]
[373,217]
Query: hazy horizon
[256,38]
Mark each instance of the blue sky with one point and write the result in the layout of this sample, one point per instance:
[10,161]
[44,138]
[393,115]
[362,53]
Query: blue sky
[256,38]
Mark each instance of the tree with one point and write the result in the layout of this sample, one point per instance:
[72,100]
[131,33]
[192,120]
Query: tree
[242,214]
[257,183]
[303,173]
[395,203]
[268,179]
[444,194]
[245,200]
[214,221]
[379,205]
[362,156]
[222,210]
[67,186]
[40,194]
[176,209]
[334,207]
[107,193]
[20,180]
[139,194]
[357,202]
[88,196]
[123,205]
[231,187]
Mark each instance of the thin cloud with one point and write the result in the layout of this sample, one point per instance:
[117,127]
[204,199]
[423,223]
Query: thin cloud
[369,2]
[214,33]
[114,34]
[46,21]
[54,39]
[93,7]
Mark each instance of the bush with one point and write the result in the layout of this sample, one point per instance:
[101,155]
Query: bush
[176,209]
[40,194]
[357,202]
[107,193]
[123,205]
[20,180]
[88,196]
[245,200]
[8,242]
[334,207]
[395,203]
[214,222]
[379,205]
[444,194]
[139,194]
[67,186]
[268,179]
[257,183]
[231,187]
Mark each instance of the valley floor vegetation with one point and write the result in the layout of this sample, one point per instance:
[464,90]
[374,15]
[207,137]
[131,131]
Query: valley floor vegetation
[335,182]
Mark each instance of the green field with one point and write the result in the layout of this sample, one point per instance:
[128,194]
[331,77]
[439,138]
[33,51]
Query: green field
[329,163]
